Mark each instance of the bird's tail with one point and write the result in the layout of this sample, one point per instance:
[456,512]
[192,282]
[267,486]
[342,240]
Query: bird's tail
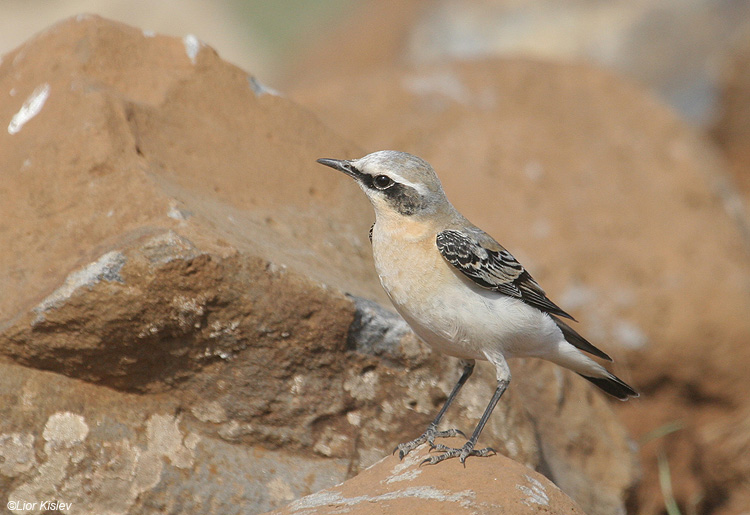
[569,357]
[613,385]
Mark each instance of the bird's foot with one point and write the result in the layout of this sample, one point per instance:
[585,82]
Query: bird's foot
[462,453]
[429,437]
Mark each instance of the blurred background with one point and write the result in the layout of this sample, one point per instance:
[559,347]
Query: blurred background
[690,55]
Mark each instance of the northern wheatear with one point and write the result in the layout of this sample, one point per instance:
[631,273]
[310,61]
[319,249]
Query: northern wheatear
[460,290]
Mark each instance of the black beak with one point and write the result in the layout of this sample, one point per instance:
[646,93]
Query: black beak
[342,166]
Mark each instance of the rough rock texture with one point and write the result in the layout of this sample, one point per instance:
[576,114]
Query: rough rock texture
[488,487]
[108,452]
[621,211]
[174,328]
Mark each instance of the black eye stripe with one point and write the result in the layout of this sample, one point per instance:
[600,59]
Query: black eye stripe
[405,199]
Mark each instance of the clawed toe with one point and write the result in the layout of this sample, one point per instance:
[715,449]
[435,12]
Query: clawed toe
[405,448]
[443,434]
[462,453]
[450,432]
[429,437]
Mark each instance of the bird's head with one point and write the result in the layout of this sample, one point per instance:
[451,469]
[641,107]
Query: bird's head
[396,183]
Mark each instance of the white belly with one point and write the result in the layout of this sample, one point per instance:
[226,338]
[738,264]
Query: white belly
[454,315]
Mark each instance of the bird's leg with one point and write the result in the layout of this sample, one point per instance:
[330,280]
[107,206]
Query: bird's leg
[431,433]
[468,448]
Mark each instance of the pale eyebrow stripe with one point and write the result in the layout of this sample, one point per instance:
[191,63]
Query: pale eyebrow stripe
[396,177]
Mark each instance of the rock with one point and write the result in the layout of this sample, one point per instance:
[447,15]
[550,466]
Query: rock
[138,178]
[484,486]
[190,317]
[613,204]
[105,451]
[119,270]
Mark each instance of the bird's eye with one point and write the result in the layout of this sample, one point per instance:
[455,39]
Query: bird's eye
[382,182]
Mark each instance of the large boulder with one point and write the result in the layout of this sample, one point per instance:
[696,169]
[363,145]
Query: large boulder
[190,320]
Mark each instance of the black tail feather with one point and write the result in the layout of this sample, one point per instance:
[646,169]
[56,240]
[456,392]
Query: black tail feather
[614,386]
[575,339]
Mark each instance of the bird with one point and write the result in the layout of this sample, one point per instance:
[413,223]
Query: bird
[461,291]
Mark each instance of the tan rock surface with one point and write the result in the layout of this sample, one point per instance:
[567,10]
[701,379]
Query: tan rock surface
[125,95]
[484,486]
[174,265]
[617,207]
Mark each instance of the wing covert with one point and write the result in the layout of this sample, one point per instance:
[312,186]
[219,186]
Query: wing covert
[494,269]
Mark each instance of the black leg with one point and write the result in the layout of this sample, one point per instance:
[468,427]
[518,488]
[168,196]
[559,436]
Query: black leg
[431,433]
[468,448]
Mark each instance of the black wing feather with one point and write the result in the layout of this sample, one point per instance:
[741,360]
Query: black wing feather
[496,270]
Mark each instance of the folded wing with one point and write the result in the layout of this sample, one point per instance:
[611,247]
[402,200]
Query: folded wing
[491,266]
